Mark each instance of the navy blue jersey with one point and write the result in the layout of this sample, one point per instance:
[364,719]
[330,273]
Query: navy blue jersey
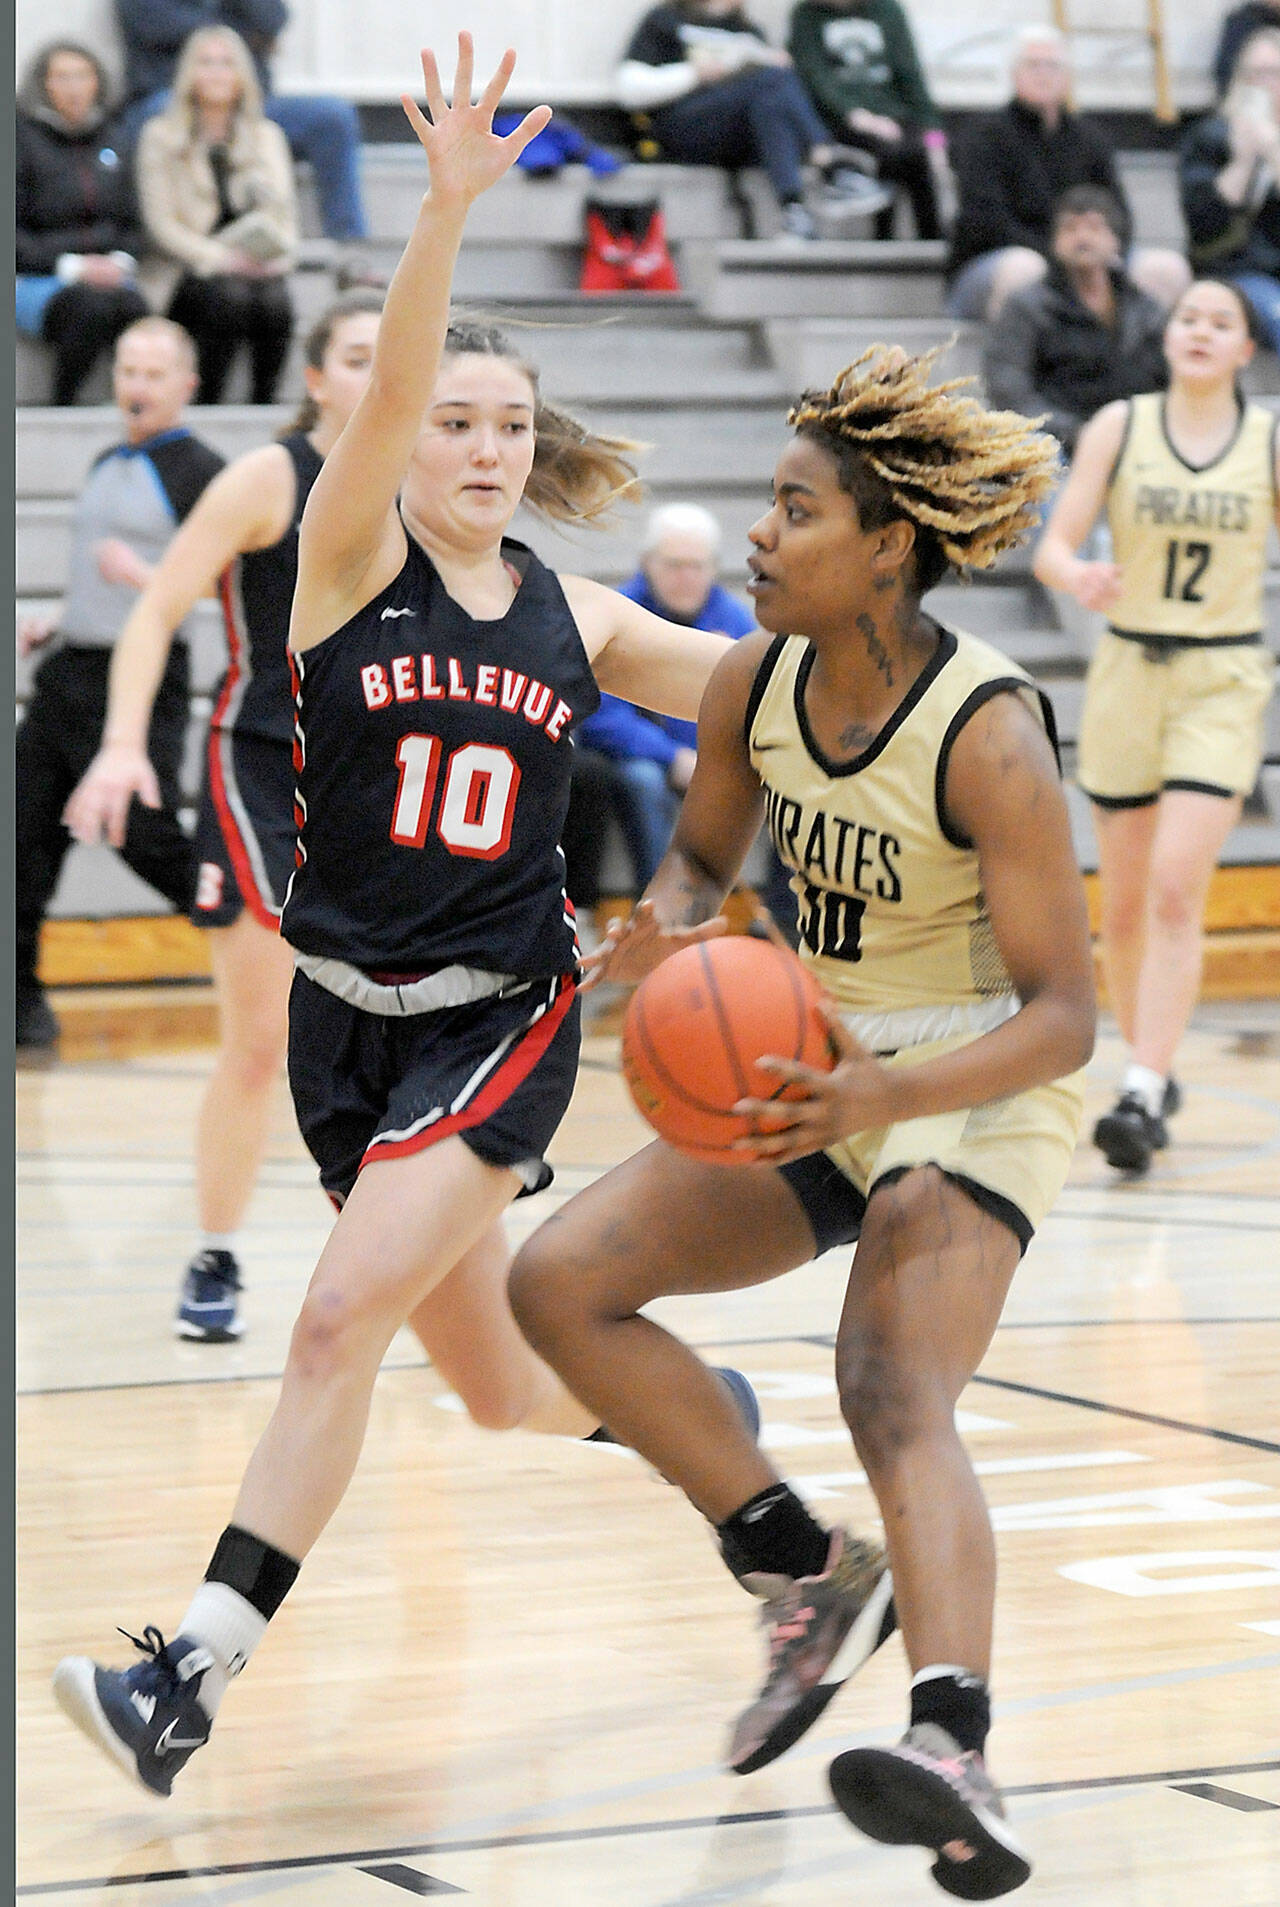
[433,756]
[256,696]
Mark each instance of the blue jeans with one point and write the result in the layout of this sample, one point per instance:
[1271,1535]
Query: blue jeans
[760,117]
[1263,293]
[32,294]
[646,810]
[325,132]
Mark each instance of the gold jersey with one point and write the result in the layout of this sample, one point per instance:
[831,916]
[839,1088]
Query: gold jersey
[1191,543]
[893,920]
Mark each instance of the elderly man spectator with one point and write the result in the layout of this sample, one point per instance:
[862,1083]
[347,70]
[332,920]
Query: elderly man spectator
[134,498]
[1229,171]
[1012,167]
[323,130]
[1085,334]
[655,755]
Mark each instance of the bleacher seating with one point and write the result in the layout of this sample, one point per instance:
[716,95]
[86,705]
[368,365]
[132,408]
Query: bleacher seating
[703,377]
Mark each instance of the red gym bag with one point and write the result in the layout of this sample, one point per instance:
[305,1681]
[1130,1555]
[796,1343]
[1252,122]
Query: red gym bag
[626,248]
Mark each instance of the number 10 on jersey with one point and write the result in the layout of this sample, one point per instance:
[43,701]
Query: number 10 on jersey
[477,802]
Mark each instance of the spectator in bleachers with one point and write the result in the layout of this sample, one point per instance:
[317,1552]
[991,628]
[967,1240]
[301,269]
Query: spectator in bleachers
[77,230]
[859,61]
[134,498]
[1230,177]
[1013,166]
[1237,27]
[1085,335]
[216,186]
[322,129]
[655,755]
[715,93]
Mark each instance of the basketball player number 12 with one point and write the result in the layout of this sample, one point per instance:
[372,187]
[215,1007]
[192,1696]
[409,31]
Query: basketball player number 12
[1198,555]
[477,805]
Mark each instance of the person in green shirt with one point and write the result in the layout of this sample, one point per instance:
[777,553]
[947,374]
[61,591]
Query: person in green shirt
[859,61]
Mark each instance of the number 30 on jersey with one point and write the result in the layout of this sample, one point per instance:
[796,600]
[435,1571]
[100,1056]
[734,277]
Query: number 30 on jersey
[477,801]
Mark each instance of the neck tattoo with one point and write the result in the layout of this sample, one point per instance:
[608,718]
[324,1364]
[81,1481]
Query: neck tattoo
[866,628]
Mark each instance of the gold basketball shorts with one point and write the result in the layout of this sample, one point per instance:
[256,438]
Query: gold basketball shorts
[1189,718]
[1017,1150]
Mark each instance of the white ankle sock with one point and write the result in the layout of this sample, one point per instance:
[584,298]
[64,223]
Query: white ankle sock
[230,1628]
[1148,1085]
[221,1241]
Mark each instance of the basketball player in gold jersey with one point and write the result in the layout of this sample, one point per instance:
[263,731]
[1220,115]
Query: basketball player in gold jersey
[911,786]
[1171,737]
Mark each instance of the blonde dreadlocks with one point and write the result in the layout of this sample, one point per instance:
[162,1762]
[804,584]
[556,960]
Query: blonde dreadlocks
[969,479]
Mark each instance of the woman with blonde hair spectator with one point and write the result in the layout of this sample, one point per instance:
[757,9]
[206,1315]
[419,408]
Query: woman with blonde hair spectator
[216,185]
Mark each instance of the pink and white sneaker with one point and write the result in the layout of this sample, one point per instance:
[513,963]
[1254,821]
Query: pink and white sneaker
[928,1792]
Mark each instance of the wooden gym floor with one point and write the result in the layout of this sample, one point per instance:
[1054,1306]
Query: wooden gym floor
[507,1671]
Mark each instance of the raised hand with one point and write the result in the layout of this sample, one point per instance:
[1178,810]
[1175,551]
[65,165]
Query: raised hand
[466,156]
[1097,585]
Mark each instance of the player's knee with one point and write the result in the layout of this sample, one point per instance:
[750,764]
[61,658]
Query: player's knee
[332,1330]
[257,1060]
[540,1286]
[1124,914]
[1175,903]
[880,1401]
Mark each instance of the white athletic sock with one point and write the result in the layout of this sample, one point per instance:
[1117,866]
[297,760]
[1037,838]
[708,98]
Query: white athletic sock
[1148,1085]
[221,1241]
[935,1669]
[230,1628]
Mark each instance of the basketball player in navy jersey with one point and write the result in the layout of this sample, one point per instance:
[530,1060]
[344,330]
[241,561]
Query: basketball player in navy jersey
[241,541]
[433,1020]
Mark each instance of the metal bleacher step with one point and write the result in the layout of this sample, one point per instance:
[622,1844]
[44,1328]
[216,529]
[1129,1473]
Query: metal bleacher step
[824,278]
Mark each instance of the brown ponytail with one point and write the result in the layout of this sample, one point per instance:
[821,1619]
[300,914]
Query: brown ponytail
[346,305]
[577,475]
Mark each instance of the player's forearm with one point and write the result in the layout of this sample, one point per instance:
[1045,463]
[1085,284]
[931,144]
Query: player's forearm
[137,665]
[1055,563]
[415,316]
[1048,1038]
[685,891]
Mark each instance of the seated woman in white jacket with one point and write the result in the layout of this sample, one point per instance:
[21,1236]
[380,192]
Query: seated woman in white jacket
[215,182]
[715,93]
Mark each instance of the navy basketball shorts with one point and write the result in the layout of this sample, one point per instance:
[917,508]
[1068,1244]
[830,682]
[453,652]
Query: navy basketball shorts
[246,835]
[368,1086]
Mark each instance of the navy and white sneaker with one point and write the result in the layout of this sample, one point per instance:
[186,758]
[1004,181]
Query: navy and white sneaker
[146,1718]
[209,1304]
[926,1792]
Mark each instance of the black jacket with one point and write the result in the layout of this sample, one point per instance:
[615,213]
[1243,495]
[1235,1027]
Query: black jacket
[153,32]
[73,192]
[1222,237]
[1010,173]
[1047,352]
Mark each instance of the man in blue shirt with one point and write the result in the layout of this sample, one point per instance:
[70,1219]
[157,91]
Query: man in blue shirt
[654,754]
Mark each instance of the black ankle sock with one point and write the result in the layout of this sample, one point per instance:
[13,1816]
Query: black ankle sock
[955,1701]
[773,1532]
[262,1575]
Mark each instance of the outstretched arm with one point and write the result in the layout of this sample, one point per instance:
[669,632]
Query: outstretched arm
[717,824]
[641,657]
[352,543]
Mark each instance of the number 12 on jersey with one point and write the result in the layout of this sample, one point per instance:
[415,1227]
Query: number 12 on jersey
[477,804]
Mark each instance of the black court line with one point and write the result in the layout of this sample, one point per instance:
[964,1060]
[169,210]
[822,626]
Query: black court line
[1226,1797]
[822,1341]
[621,1830]
[411,1880]
[1137,1416]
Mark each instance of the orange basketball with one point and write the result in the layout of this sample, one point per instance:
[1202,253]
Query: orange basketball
[696,1028]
